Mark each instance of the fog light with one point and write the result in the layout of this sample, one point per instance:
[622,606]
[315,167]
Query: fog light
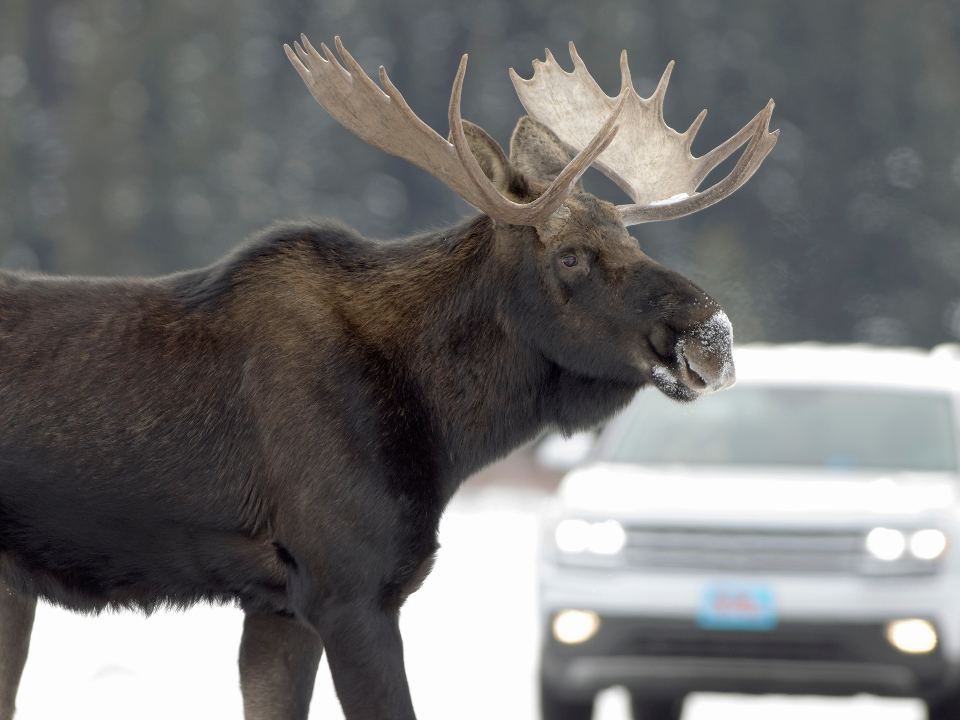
[575,626]
[912,636]
[886,543]
[928,544]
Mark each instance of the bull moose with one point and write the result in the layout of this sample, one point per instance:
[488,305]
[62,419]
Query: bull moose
[283,428]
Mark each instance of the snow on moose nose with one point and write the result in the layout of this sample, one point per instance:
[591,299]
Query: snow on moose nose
[704,354]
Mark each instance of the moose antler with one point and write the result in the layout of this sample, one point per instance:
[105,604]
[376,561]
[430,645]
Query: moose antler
[384,119]
[648,159]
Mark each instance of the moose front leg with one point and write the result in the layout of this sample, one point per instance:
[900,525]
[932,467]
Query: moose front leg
[16,624]
[365,653]
[279,656]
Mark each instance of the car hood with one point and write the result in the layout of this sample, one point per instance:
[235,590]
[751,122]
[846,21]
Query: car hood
[774,495]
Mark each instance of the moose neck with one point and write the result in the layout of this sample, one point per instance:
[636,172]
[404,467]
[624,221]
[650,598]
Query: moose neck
[487,388]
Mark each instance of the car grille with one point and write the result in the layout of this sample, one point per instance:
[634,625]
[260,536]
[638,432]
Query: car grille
[745,550]
[771,646]
[839,642]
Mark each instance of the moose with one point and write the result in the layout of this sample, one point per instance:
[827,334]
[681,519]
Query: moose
[283,428]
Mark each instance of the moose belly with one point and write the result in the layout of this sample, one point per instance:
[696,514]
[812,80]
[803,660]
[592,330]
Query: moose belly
[144,570]
[84,548]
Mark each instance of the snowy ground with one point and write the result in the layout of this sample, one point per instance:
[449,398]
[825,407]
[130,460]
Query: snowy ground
[470,633]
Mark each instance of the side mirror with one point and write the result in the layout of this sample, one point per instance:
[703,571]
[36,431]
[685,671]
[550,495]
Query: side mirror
[560,454]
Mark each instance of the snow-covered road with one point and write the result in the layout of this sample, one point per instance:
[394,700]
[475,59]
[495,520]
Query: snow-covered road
[470,633]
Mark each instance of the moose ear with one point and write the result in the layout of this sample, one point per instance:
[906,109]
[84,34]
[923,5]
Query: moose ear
[537,152]
[489,154]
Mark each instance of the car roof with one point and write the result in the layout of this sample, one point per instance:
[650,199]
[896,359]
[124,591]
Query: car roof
[865,365]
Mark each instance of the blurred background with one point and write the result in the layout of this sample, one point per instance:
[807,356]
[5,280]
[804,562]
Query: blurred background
[141,138]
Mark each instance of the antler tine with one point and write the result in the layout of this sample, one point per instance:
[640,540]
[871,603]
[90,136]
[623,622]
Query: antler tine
[626,79]
[402,105]
[648,159]
[353,67]
[331,58]
[661,92]
[581,73]
[760,145]
[459,139]
[301,53]
[578,63]
[382,117]
[305,41]
[725,149]
[691,133]
[296,62]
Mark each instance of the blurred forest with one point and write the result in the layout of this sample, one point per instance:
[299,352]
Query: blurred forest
[144,137]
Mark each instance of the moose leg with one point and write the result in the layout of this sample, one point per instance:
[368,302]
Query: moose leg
[278,666]
[16,624]
[365,653]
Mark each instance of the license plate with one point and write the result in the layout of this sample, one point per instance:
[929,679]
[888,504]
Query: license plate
[737,606]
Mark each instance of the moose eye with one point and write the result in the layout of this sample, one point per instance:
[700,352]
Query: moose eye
[569,260]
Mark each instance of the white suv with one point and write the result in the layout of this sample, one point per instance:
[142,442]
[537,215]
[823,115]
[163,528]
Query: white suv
[793,535]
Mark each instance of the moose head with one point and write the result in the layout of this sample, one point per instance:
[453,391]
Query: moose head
[582,290]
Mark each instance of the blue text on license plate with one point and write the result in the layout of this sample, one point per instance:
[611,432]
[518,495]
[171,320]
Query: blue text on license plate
[737,606]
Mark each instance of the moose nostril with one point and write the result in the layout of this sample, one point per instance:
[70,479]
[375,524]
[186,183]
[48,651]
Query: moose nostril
[663,341]
[706,352]
[695,370]
[716,373]
[699,369]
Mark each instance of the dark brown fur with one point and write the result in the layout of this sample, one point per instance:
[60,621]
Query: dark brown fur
[285,427]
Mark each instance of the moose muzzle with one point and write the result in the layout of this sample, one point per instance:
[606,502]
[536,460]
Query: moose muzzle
[704,355]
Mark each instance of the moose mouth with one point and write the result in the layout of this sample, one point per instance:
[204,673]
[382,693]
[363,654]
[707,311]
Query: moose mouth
[703,361]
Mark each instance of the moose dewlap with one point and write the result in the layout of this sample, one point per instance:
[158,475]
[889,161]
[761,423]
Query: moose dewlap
[283,428]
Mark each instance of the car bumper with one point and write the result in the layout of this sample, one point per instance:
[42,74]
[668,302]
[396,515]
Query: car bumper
[807,598]
[829,635]
[675,657]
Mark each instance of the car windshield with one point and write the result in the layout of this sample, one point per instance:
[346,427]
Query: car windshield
[843,428]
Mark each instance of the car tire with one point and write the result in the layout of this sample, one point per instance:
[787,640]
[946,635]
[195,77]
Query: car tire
[656,708]
[944,708]
[554,707]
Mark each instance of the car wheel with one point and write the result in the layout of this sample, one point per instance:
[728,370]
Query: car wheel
[944,708]
[554,707]
[656,708]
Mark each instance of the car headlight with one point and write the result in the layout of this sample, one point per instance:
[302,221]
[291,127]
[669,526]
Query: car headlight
[886,543]
[928,544]
[574,535]
[889,544]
